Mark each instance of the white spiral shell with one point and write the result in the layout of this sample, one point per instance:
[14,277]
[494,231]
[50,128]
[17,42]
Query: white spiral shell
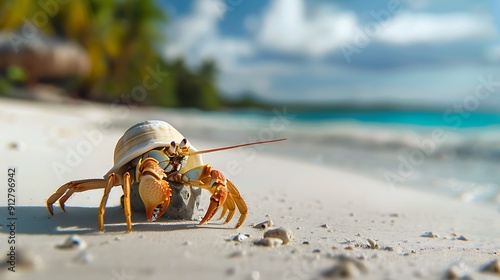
[146,136]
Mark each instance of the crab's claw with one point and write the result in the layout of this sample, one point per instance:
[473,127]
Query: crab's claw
[154,191]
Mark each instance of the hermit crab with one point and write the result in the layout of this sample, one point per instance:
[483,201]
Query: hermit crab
[151,153]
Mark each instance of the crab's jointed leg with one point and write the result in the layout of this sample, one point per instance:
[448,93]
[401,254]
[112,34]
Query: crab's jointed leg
[65,191]
[126,201]
[219,192]
[224,193]
[228,205]
[240,203]
[115,180]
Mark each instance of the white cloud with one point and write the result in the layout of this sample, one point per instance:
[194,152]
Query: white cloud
[196,37]
[411,28]
[315,31]
[287,27]
[299,27]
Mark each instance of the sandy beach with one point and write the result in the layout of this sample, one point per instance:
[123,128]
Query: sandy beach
[338,219]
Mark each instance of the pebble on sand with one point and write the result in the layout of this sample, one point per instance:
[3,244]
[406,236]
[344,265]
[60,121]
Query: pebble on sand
[457,272]
[429,234]
[255,275]
[72,242]
[463,238]
[269,242]
[25,259]
[346,267]
[13,146]
[281,233]
[373,244]
[492,267]
[264,225]
[240,237]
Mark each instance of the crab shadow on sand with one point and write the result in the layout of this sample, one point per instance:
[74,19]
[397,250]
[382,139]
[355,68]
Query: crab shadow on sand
[83,220]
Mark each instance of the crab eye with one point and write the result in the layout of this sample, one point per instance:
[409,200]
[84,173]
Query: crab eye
[170,151]
[183,143]
[172,144]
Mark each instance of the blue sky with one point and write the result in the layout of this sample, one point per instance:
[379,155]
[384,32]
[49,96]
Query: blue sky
[378,51]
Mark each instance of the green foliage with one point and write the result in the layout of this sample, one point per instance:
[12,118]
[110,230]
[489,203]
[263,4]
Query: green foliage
[4,86]
[120,38]
[195,88]
[15,74]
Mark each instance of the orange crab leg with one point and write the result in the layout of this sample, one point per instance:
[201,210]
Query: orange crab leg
[113,180]
[224,193]
[126,201]
[228,206]
[219,196]
[65,191]
[240,203]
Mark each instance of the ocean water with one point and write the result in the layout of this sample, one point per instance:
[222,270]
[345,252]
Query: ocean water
[446,118]
[449,153]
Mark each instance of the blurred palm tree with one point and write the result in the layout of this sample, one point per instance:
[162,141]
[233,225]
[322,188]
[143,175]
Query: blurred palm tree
[120,38]
[118,35]
[207,73]
[195,88]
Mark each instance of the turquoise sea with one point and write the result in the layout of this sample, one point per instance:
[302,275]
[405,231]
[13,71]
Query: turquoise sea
[452,153]
[446,118]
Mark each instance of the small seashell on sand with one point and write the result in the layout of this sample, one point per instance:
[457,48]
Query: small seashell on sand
[264,225]
[429,234]
[463,238]
[72,242]
[240,237]
[281,233]
[269,242]
[373,244]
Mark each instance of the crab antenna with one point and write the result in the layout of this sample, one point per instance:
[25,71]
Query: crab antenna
[235,146]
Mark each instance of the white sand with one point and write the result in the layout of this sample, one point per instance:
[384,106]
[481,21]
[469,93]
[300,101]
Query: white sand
[295,195]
